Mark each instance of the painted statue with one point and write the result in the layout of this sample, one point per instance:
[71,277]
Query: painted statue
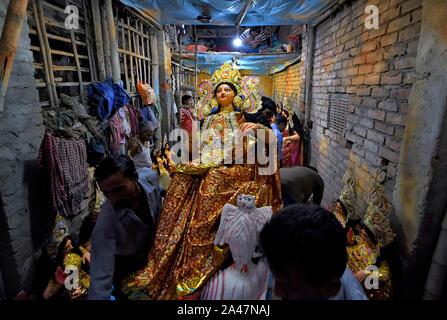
[184,257]
[239,228]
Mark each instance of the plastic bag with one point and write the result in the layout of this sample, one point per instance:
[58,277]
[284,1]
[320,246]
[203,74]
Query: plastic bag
[146,93]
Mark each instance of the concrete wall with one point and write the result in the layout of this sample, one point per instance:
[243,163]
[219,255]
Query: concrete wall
[374,69]
[21,131]
[420,197]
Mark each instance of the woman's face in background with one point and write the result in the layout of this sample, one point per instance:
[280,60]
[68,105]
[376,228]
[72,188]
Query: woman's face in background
[224,95]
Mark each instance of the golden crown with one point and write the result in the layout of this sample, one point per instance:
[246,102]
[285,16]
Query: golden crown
[247,98]
[376,217]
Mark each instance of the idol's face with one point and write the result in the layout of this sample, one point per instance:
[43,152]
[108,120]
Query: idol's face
[339,209]
[225,95]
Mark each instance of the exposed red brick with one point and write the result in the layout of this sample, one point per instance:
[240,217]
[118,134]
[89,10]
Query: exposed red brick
[410,32]
[391,78]
[399,23]
[389,39]
[372,79]
[411,5]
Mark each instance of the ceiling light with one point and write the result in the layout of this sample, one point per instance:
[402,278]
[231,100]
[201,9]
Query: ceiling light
[237,42]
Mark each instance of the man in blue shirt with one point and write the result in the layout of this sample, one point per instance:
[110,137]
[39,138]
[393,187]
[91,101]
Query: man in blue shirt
[279,138]
[125,228]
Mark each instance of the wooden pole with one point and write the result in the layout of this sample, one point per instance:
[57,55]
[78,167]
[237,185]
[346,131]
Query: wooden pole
[98,39]
[179,72]
[154,63]
[106,39]
[132,75]
[9,43]
[113,43]
[44,54]
[48,51]
[196,63]
[91,57]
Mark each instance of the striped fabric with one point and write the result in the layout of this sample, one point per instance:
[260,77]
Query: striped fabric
[260,37]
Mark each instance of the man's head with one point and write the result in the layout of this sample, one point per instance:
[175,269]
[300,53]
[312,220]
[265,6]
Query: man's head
[305,246]
[255,31]
[187,100]
[147,130]
[268,108]
[118,180]
[281,122]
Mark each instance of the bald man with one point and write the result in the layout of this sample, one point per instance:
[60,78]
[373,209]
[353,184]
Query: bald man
[298,184]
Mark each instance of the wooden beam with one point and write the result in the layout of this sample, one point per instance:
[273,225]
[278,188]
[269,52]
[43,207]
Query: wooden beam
[9,43]
[106,38]
[49,66]
[75,52]
[126,75]
[91,59]
[113,43]
[132,77]
[154,57]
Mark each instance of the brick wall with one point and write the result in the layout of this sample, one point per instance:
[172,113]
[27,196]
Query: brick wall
[287,86]
[375,70]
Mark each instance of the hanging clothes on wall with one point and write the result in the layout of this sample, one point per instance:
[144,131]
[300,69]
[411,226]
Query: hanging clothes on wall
[67,166]
[116,131]
[135,116]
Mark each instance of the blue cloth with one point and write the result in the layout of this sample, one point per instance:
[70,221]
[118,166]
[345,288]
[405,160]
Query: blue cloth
[279,137]
[148,115]
[248,49]
[350,289]
[120,233]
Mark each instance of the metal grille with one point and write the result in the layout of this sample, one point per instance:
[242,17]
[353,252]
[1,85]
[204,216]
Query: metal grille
[338,109]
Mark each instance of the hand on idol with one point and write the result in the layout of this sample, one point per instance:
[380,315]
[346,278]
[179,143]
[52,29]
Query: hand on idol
[361,275]
[248,126]
[86,258]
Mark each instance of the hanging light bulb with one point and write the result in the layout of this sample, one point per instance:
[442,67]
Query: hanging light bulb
[237,42]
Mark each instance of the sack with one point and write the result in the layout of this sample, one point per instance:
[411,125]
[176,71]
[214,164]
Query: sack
[102,95]
[122,97]
[146,93]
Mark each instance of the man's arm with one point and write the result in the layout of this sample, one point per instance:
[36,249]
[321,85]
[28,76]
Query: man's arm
[102,266]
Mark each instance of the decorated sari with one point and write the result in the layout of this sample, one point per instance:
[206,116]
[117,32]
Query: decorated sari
[292,151]
[183,256]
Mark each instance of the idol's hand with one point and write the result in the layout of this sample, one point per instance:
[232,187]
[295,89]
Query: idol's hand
[361,275]
[249,126]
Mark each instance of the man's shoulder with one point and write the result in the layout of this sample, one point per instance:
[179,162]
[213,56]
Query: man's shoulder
[147,176]
[105,222]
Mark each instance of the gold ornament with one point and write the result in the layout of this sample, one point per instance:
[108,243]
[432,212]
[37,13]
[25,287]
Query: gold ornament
[247,98]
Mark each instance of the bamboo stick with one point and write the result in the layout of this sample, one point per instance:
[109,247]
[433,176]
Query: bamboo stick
[75,52]
[126,75]
[196,63]
[113,43]
[43,54]
[98,39]
[91,60]
[9,43]
[106,41]
[154,64]
[143,54]
[133,88]
[48,51]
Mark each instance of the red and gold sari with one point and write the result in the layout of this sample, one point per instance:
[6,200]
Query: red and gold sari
[292,152]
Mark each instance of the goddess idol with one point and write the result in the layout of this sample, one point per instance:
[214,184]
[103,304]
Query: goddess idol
[183,256]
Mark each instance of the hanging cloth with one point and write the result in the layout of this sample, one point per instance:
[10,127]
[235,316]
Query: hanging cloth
[67,166]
